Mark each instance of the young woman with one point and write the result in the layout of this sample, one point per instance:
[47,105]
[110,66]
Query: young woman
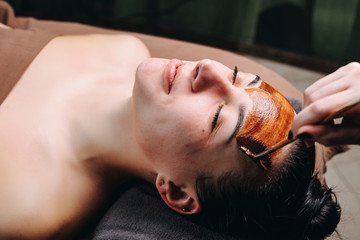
[91,112]
[74,125]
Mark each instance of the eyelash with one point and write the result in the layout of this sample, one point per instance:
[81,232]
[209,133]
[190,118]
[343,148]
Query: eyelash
[234,75]
[216,117]
[256,80]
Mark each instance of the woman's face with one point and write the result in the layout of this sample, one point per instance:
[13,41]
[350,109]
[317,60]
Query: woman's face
[191,117]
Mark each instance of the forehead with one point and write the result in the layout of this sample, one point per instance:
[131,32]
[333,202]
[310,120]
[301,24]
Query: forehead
[268,122]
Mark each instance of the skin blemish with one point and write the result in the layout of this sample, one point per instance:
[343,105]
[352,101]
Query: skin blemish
[267,123]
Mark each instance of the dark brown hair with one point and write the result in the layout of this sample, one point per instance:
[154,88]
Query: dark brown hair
[290,204]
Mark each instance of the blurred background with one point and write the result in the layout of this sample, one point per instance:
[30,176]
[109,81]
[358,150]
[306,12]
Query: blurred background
[319,35]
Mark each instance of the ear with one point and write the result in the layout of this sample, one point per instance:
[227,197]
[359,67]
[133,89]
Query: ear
[183,200]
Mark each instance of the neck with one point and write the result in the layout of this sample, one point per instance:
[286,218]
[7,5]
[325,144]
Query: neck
[103,132]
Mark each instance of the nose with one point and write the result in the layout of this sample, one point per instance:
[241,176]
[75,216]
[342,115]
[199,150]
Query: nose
[208,75]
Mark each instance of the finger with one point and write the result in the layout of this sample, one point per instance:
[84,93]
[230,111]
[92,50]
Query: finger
[329,89]
[333,135]
[318,110]
[323,82]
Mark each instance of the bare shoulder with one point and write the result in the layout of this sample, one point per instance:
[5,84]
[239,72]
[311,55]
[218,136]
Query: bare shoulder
[134,43]
[120,44]
[121,52]
[125,45]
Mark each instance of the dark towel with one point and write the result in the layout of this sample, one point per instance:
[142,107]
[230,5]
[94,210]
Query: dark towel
[140,214]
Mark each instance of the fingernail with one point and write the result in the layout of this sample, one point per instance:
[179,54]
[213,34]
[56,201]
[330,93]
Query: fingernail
[305,136]
[290,136]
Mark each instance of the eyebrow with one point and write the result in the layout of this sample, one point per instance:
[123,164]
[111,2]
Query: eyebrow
[238,125]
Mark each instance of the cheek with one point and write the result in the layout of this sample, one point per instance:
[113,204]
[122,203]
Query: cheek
[169,129]
[188,112]
[186,126]
[152,131]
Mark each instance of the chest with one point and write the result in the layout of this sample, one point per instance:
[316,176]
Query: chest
[40,192]
[42,186]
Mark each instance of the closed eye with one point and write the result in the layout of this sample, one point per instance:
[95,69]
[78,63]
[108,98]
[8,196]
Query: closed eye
[216,117]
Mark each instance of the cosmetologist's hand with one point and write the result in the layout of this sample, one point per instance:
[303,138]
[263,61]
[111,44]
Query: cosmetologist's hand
[321,98]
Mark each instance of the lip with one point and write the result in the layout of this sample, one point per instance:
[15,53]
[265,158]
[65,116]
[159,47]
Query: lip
[170,72]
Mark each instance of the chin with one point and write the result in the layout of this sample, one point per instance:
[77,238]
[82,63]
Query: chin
[149,77]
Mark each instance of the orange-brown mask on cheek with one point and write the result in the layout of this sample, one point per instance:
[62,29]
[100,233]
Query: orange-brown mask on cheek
[267,123]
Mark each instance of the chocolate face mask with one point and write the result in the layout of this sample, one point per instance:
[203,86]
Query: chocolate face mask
[267,123]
